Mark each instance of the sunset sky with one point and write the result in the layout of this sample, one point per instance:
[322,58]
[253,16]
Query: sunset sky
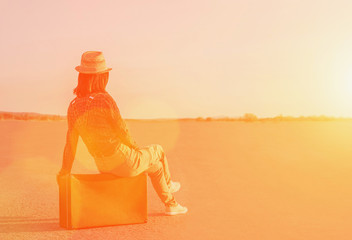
[182,58]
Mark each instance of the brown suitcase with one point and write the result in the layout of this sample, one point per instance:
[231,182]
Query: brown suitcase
[96,200]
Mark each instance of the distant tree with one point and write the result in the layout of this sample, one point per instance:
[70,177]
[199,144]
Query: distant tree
[43,117]
[8,115]
[279,118]
[249,117]
[25,116]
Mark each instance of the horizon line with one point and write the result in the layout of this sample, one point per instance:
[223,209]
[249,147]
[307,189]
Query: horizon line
[245,116]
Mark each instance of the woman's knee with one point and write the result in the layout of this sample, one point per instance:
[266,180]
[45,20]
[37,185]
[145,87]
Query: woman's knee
[159,150]
[155,169]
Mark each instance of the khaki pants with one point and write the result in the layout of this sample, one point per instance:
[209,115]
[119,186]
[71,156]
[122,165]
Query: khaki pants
[128,162]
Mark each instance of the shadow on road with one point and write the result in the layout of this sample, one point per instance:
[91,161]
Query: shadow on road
[27,224]
[156,214]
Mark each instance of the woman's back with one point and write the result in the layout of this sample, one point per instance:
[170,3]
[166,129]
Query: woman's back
[92,117]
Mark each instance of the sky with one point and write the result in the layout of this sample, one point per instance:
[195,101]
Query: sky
[175,59]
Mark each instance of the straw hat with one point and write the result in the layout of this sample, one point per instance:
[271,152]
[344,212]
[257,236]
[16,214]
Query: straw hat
[92,62]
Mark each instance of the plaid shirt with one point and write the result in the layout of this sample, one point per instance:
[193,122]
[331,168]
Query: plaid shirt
[96,118]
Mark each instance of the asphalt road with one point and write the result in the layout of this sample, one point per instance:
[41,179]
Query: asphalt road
[239,181]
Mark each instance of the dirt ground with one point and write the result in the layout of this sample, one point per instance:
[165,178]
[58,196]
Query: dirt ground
[285,180]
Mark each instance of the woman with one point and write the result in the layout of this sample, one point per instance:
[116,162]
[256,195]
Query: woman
[94,116]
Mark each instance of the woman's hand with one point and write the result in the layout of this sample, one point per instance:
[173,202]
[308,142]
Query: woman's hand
[62,173]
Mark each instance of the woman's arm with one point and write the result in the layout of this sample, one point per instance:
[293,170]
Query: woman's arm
[120,126]
[69,151]
[71,142]
[126,136]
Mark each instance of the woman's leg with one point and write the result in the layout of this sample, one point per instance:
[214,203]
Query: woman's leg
[162,157]
[150,159]
[158,171]
[157,176]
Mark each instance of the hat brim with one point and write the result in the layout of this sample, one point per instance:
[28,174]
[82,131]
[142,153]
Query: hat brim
[82,70]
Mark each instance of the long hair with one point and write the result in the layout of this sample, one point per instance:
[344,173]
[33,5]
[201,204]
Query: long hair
[91,83]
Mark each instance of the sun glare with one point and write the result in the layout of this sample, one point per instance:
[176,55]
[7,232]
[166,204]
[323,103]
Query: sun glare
[155,108]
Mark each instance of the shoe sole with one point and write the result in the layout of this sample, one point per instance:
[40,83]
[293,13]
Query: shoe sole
[176,213]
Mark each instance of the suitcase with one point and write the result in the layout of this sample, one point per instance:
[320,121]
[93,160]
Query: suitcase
[97,200]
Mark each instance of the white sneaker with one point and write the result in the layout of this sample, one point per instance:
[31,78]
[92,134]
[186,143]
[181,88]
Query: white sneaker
[174,210]
[175,186]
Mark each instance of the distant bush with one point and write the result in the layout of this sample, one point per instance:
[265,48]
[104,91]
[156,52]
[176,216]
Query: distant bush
[305,118]
[29,116]
[6,115]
